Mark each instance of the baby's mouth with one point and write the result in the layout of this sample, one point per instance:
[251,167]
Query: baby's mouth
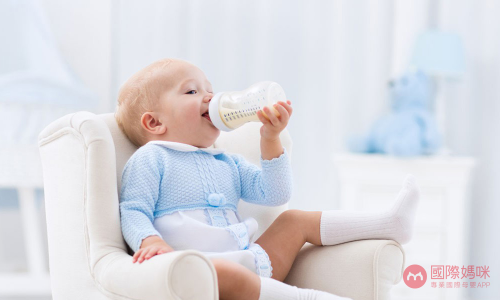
[206,116]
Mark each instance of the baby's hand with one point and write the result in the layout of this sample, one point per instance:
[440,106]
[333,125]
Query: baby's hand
[155,248]
[274,125]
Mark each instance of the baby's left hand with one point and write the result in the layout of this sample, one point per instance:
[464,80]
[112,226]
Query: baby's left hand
[274,125]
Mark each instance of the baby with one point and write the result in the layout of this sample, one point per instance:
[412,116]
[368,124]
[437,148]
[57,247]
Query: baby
[180,193]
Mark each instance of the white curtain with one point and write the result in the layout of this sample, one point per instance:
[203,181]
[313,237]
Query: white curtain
[333,58]
[473,122]
[36,84]
[36,87]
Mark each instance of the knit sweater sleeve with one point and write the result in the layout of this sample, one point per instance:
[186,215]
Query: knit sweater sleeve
[269,186]
[139,194]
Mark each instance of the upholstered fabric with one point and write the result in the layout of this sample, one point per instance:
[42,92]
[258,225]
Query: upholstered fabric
[83,156]
[361,270]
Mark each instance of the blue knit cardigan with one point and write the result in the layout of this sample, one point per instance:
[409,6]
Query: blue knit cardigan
[164,177]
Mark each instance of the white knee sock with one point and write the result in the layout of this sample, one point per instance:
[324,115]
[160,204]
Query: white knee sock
[396,223]
[272,289]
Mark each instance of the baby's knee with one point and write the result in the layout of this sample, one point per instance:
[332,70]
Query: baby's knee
[234,279]
[230,275]
[225,268]
[290,216]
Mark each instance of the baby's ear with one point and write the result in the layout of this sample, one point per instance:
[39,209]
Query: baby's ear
[150,121]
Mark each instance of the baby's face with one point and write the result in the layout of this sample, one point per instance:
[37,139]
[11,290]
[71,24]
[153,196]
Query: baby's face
[184,100]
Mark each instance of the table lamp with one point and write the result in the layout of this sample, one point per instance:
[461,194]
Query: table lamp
[440,55]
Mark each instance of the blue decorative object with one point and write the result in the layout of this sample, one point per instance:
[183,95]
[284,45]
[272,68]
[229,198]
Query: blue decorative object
[442,56]
[439,53]
[410,128]
[216,199]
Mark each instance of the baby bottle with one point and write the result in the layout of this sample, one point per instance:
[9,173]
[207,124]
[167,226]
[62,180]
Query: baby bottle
[230,110]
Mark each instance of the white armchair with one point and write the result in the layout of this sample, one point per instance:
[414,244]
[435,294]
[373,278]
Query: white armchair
[83,155]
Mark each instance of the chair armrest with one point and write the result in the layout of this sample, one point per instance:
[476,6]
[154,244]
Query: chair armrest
[176,275]
[361,270]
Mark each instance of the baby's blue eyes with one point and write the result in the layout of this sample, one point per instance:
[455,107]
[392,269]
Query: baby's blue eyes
[193,91]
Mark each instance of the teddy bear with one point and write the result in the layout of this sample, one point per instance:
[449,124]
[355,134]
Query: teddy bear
[410,129]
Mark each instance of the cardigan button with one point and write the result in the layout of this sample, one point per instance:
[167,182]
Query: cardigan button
[216,199]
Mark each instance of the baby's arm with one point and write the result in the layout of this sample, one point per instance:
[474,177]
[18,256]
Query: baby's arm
[272,185]
[151,246]
[138,197]
[270,144]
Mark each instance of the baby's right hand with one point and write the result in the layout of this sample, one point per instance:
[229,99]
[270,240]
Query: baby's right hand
[150,247]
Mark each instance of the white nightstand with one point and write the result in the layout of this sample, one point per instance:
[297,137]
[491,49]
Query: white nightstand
[371,182]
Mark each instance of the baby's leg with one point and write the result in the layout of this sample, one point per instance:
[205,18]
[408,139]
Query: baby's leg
[285,237]
[282,241]
[395,223]
[288,233]
[235,281]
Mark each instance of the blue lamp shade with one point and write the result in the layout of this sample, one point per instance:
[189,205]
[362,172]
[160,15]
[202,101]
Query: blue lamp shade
[439,53]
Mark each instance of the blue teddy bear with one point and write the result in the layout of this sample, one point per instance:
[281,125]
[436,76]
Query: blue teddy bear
[410,129]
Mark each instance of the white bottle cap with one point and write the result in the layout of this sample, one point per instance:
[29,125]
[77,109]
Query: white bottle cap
[213,111]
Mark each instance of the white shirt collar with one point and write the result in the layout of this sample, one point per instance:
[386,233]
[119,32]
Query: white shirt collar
[186,147]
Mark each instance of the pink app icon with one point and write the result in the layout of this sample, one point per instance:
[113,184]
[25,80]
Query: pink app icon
[415,276]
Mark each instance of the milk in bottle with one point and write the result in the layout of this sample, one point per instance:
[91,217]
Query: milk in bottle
[230,110]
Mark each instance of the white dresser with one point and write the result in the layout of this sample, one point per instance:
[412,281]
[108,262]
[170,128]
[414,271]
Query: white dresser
[371,182]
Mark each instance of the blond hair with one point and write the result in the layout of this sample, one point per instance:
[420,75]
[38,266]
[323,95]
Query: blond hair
[140,94]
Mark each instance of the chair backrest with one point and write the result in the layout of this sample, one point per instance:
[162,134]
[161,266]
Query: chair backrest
[81,204]
[245,141]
